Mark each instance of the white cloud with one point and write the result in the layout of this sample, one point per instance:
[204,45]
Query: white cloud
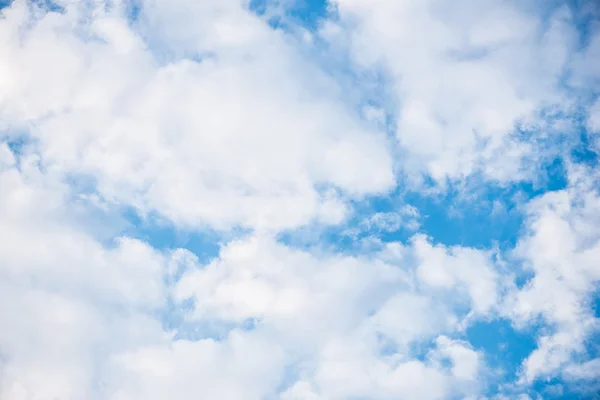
[243,137]
[561,250]
[465,361]
[583,72]
[34,214]
[69,301]
[594,118]
[464,74]
[466,268]
[589,370]
[338,315]
[246,366]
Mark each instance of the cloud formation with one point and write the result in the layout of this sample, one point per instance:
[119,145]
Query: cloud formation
[321,158]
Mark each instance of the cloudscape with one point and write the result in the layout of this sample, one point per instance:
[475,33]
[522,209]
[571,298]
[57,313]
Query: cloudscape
[299,199]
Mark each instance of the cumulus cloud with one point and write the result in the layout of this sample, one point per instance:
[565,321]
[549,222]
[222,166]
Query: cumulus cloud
[210,117]
[245,136]
[562,249]
[466,75]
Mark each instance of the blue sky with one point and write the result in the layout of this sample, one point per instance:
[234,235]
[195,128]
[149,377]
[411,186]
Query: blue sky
[299,200]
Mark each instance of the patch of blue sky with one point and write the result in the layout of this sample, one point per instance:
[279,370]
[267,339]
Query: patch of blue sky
[309,12]
[591,346]
[282,14]
[133,9]
[504,347]
[48,5]
[163,235]
[490,218]
[586,152]
[18,145]
[585,15]
[596,305]
[582,12]
[587,149]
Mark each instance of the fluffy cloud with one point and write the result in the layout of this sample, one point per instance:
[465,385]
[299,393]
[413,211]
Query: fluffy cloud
[244,136]
[98,305]
[208,116]
[465,73]
[562,249]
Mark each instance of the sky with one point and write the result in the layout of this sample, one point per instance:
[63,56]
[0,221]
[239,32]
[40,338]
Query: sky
[299,199]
